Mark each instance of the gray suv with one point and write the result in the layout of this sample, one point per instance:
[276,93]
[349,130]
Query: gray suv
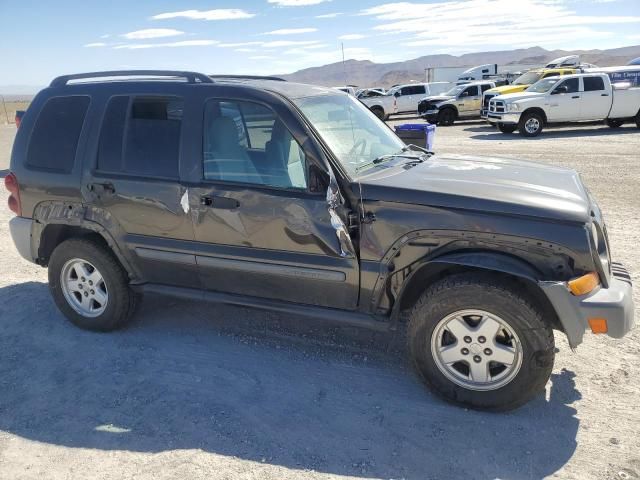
[295,198]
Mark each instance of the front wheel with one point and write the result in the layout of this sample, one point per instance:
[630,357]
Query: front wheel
[89,285]
[531,124]
[614,123]
[446,117]
[477,342]
[504,128]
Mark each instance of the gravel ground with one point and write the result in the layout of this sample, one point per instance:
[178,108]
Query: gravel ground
[202,391]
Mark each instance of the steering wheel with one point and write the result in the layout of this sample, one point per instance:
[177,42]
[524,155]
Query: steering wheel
[362,143]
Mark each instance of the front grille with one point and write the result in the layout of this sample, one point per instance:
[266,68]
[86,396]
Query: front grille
[486,98]
[425,106]
[496,106]
[620,272]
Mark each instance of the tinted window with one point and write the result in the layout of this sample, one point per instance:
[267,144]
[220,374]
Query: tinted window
[246,142]
[54,140]
[141,136]
[572,84]
[485,87]
[593,83]
[470,92]
[413,90]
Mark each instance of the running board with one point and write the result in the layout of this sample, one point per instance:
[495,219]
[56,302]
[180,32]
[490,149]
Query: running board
[343,317]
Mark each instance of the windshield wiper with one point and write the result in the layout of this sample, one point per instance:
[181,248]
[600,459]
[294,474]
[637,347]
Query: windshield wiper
[418,148]
[401,154]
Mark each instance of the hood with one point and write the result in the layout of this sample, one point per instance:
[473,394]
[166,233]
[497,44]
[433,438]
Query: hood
[508,89]
[488,184]
[511,97]
[437,98]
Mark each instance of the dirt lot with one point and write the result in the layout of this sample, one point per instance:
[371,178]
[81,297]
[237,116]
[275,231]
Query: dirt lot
[201,391]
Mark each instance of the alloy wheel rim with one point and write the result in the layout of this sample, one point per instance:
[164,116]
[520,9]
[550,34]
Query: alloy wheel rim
[532,125]
[476,349]
[84,288]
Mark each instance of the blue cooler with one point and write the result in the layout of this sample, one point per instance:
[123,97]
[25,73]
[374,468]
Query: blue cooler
[420,134]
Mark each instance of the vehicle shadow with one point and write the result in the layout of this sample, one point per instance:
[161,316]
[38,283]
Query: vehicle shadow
[174,380]
[492,133]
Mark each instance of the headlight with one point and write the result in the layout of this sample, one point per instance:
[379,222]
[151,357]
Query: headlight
[513,107]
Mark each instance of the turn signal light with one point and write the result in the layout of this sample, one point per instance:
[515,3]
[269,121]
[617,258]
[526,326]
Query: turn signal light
[584,284]
[598,325]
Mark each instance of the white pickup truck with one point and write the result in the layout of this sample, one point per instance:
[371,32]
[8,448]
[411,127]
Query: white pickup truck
[570,98]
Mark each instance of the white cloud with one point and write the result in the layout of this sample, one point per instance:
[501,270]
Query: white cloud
[296,3]
[291,31]
[261,57]
[184,43]
[490,23]
[240,44]
[287,43]
[106,35]
[152,33]
[95,45]
[330,15]
[216,14]
[351,36]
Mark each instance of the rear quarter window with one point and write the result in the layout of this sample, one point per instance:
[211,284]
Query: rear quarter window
[55,135]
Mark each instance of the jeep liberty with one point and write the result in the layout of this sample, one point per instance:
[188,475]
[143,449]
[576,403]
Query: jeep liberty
[296,198]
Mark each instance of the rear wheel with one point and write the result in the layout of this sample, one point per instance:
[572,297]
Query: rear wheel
[90,286]
[531,124]
[638,120]
[477,342]
[614,123]
[446,117]
[507,128]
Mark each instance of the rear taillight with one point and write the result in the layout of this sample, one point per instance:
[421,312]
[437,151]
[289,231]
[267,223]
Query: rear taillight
[11,184]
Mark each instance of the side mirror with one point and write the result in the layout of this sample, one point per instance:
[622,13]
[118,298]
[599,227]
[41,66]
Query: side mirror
[397,94]
[560,89]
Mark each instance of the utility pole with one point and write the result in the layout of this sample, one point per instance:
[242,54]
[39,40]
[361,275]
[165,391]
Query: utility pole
[5,109]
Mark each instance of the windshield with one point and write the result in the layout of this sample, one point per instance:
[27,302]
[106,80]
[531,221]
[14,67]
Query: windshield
[352,132]
[455,90]
[543,85]
[528,78]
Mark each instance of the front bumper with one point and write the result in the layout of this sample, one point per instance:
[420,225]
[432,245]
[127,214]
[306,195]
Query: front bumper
[430,116]
[20,229]
[508,118]
[615,304]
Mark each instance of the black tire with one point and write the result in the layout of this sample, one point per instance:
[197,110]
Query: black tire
[121,302]
[378,112]
[507,128]
[614,122]
[482,292]
[524,128]
[638,120]
[446,117]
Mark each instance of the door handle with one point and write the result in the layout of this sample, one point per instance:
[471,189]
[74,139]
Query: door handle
[604,94]
[213,201]
[106,188]
[576,96]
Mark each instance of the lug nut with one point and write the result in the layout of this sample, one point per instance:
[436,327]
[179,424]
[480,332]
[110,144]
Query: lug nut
[467,339]
[477,359]
[83,279]
[80,286]
[86,294]
[90,282]
[482,339]
[487,351]
[464,351]
[93,293]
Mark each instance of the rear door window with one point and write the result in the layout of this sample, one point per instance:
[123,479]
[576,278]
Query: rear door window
[55,136]
[592,84]
[141,136]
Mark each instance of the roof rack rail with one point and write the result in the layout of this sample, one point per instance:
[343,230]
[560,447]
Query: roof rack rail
[191,77]
[248,77]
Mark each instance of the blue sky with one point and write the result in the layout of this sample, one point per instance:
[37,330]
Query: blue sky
[45,39]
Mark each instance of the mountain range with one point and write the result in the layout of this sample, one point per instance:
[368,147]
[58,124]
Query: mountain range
[365,73]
